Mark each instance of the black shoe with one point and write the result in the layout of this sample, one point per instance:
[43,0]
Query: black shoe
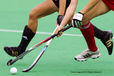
[13,51]
[107,41]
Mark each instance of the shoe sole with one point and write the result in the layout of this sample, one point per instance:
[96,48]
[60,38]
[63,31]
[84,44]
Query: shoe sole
[95,56]
[81,60]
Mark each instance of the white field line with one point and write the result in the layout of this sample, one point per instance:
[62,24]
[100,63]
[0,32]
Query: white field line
[45,33]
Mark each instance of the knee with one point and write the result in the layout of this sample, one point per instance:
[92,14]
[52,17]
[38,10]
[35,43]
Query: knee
[33,15]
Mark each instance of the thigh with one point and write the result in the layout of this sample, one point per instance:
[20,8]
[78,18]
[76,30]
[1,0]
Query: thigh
[99,9]
[44,9]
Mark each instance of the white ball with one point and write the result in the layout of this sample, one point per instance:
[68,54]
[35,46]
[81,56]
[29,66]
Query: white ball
[13,70]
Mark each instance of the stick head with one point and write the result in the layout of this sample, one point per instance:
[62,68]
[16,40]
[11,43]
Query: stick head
[9,62]
[24,70]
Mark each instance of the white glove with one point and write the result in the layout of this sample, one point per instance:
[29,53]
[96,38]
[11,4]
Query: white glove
[77,20]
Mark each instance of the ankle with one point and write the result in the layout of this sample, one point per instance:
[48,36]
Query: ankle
[21,48]
[93,49]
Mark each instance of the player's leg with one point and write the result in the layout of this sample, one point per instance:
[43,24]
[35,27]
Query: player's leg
[92,51]
[104,36]
[43,9]
[95,11]
[88,33]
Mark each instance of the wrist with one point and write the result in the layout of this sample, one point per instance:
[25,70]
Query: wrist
[59,19]
[60,15]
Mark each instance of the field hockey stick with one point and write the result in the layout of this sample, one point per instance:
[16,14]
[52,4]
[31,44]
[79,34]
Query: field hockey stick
[39,55]
[11,61]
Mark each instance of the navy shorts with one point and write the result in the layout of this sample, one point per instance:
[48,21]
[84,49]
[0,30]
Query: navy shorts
[56,2]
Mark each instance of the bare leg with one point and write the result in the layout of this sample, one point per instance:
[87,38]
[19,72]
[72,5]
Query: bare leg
[99,9]
[43,9]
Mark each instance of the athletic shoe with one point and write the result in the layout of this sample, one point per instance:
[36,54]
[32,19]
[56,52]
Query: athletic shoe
[107,41]
[13,51]
[86,55]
